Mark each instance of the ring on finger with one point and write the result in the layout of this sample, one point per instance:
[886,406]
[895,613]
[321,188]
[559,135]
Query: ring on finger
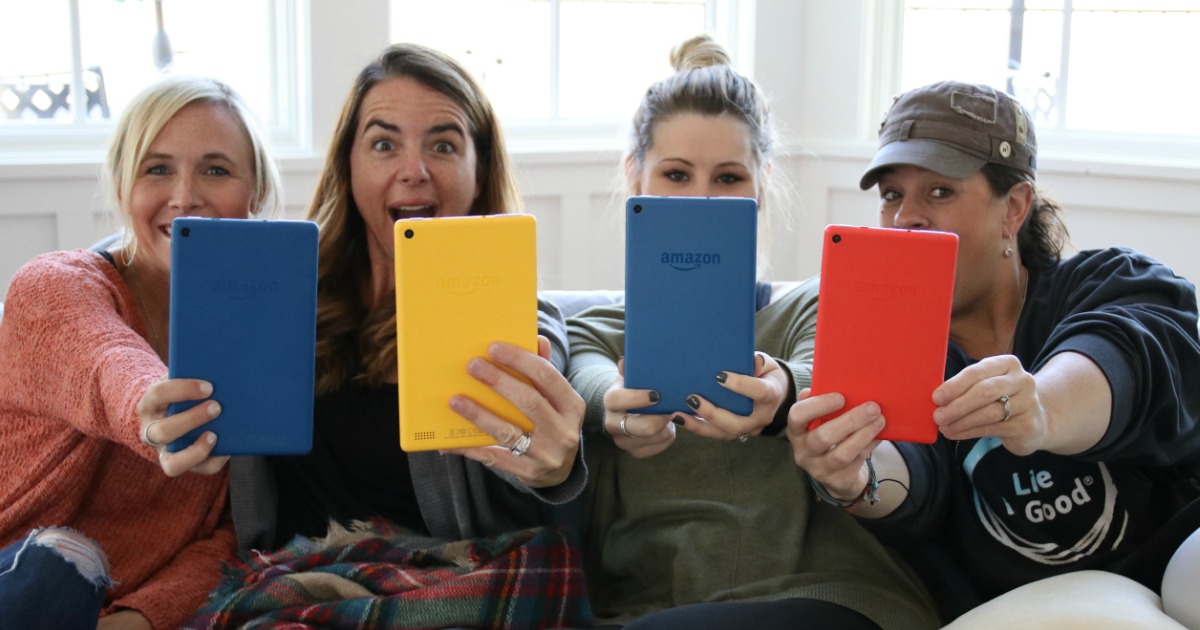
[743,437]
[146,435]
[624,430]
[1007,408]
[521,445]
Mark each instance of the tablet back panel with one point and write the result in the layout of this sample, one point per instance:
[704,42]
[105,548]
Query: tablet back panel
[461,283]
[243,316]
[883,322]
[689,298]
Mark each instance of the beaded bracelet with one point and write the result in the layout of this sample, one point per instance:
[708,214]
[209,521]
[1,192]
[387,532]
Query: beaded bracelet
[870,492]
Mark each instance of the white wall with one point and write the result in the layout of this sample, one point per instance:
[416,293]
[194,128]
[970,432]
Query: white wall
[811,56]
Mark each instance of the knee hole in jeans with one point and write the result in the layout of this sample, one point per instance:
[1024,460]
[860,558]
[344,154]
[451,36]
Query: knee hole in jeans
[82,552]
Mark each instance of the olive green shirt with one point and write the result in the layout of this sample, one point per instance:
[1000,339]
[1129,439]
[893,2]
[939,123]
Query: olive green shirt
[711,521]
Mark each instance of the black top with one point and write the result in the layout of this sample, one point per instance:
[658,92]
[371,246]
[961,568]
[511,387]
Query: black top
[355,470]
[1009,520]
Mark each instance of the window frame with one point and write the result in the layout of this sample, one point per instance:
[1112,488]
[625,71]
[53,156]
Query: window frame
[84,140]
[297,127]
[883,38]
[731,22]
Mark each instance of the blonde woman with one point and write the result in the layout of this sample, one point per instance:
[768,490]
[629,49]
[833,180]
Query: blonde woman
[84,337]
[702,520]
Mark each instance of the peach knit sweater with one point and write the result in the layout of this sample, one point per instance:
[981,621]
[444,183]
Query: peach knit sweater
[73,364]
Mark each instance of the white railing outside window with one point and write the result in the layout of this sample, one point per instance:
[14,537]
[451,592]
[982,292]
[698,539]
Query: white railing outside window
[72,65]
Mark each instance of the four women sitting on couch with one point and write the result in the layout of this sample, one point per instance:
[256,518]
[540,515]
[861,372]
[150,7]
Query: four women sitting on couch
[1077,369]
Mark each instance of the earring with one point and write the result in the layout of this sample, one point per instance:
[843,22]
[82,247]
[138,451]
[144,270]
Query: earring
[1008,252]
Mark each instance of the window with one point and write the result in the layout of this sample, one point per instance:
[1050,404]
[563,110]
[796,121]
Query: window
[69,70]
[1080,66]
[581,65]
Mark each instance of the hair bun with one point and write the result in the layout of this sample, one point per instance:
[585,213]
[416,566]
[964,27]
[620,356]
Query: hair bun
[698,52]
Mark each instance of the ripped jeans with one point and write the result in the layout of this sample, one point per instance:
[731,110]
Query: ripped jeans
[53,578]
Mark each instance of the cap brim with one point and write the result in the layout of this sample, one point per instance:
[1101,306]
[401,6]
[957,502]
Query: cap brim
[936,156]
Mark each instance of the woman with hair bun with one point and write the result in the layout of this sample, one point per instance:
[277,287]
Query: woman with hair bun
[703,520]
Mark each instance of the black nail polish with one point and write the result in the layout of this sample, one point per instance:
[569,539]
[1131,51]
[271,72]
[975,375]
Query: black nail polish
[677,420]
[722,377]
[653,396]
[693,401]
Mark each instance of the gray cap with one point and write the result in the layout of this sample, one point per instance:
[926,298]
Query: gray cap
[954,129]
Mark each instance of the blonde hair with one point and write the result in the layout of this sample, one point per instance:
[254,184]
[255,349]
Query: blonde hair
[146,116]
[705,83]
[354,341]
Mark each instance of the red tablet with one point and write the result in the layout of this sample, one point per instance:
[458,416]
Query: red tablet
[883,323]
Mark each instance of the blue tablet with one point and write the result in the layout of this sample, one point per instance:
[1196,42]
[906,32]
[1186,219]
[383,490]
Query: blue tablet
[689,298]
[243,317]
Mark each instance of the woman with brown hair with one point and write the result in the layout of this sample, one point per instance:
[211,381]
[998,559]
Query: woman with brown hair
[416,138]
[1070,417]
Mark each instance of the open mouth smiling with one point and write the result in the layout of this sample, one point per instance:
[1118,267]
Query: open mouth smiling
[412,212]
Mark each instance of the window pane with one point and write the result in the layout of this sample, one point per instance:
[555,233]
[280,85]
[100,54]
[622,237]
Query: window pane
[964,45]
[1035,84]
[1134,5]
[118,51]
[202,40]
[611,51]
[514,70]
[1121,70]
[958,4]
[1127,71]
[208,41]
[33,55]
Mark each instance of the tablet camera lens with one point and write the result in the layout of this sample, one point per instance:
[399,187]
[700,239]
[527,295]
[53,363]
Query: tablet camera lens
[408,233]
[637,209]
[837,238]
[186,231]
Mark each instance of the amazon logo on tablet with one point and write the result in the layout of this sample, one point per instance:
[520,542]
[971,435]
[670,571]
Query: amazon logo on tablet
[242,290]
[689,261]
[466,285]
[881,290]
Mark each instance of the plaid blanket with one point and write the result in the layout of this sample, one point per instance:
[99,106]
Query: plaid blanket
[385,577]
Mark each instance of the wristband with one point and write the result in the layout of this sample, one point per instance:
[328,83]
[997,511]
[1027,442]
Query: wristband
[870,492]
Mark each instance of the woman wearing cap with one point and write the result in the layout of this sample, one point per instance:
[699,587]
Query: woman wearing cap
[1069,424]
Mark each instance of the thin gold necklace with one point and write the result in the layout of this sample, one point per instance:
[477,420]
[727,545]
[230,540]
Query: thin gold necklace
[1012,339]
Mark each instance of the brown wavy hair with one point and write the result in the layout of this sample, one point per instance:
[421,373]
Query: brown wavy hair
[355,339]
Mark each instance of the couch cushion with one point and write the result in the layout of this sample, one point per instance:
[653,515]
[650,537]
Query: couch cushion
[572,303]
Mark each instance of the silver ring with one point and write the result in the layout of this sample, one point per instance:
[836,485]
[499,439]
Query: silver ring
[624,419]
[146,435]
[743,437]
[521,446]
[1007,409]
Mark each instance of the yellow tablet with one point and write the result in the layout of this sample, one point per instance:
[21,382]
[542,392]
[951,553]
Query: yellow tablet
[461,283]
